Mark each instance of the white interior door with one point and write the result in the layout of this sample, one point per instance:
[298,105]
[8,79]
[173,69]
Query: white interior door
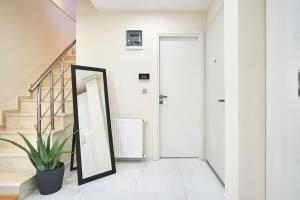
[181,81]
[283,102]
[215,133]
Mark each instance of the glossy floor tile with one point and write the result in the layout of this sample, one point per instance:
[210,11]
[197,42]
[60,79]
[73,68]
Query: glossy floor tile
[167,179]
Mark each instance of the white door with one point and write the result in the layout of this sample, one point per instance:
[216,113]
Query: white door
[283,102]
[215,107]
[181,91]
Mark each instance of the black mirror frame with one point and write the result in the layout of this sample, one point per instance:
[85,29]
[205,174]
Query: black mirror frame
[76,139]
[73,151]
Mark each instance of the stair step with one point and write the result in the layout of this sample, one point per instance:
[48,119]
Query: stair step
[7,147]
[46,82]
[15,161]
[6,131]
[28,120]
[13,158]
[12,134]
[70,58]
[56,90]
[29,106]
[67,63]
[56,72]
[68,87]
[11,150]
[17,184]
[66,76]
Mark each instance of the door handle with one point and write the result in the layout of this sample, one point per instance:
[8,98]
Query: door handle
[162,97]
[221,100]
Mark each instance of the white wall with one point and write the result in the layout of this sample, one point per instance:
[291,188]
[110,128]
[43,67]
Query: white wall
[252,103]
[245,94]
[231,72]
[283,103]
[101,43]
[215,138]
[214,10]
[32,34]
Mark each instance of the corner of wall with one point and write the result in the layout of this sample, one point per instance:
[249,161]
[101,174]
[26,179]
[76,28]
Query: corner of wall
[213,11]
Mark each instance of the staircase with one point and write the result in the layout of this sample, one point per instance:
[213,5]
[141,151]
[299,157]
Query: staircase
[49,106]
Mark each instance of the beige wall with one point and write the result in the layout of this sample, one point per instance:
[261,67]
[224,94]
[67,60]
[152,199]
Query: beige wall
[68,6]
[32,34]
[101,43]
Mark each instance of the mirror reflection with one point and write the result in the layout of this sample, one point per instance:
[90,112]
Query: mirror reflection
[94,145]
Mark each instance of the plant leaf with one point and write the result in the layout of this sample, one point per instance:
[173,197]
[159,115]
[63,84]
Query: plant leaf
[33,151]
[49,142]
[16,144]
[38,164]
[40,161]
[43,152]
[32,158]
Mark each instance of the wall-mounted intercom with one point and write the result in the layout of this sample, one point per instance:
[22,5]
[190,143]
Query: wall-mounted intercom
[144,76]
[299,83]
[134,39]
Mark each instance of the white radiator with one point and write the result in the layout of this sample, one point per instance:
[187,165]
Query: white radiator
[128,138]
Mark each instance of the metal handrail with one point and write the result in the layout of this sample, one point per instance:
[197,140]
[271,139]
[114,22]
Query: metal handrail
[37,86]
[52,117]
[54,84]
[42,77]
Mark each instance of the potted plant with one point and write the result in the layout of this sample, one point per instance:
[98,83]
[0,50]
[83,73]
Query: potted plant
[46,159]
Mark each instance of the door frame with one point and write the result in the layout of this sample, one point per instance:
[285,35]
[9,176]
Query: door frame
[200,35]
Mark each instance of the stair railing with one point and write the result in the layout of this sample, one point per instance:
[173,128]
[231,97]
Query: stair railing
[40,98]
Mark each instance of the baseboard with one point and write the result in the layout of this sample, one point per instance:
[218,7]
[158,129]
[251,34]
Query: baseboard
[216,174]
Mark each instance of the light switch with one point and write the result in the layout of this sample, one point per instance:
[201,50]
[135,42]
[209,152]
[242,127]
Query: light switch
[144,91]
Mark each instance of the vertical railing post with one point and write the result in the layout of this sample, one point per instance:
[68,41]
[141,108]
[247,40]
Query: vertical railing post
[62,86]
[52,100]
[39,109]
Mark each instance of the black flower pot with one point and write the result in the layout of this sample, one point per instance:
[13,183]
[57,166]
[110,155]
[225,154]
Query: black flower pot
[51,181]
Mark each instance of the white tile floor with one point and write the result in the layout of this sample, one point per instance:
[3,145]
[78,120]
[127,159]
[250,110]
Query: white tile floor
[167,179]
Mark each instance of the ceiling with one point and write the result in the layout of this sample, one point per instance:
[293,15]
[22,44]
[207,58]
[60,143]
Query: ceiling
[151,5]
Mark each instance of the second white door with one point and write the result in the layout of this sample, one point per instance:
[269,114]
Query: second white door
[181,92]
[215,94]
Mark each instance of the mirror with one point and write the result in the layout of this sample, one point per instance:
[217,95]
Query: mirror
[94,145]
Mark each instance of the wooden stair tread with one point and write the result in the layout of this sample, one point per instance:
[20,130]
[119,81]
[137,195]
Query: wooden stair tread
[68,87]
[5,131]
[34,114]
[11,152]
[13,131]
[14,178]
[34,100]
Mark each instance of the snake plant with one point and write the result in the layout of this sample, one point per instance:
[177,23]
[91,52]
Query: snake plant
[44,156]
